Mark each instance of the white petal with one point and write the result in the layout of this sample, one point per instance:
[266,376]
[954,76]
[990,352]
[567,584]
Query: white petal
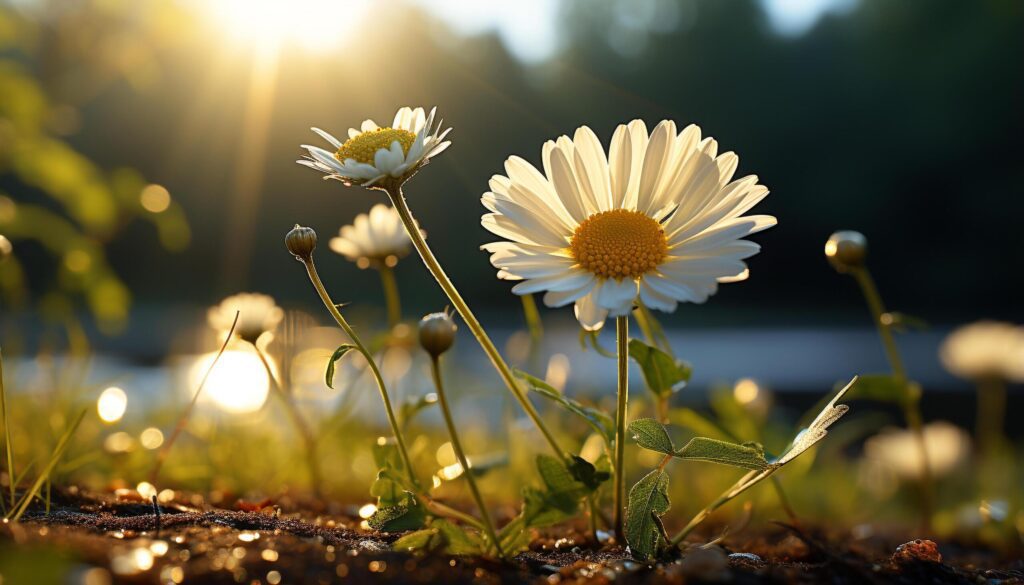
[616,295]
[560,174]
[570,280]
[326,136]
[655,159]
[590,316]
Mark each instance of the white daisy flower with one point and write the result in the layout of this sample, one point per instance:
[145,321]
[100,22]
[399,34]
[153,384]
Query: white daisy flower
[373,153]
[659,218]
[377,237]
[257,314]
[985,349]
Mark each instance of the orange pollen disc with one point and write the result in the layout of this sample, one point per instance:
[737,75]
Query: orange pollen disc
[619,244]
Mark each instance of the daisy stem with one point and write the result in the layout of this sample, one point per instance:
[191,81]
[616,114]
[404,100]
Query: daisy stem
[7,431]
[308,437]
[391,298]
[533,322]
[398,200]
[442,401]
[911,406]
[622,396]
[340,320]
[991,414]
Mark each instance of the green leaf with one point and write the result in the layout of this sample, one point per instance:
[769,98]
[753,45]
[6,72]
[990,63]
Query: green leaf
[515,537]
[648,500]
[663,374]
[424,540]
[441,536]
[601,422]
[747,455]
[337,355]
[586,473]
[458,541]
[387,491]
[884,388]
[651,434]
[406,515]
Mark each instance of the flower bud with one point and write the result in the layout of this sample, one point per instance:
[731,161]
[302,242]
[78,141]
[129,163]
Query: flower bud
[6,249]
[846,250]
[301,242]
[437,333]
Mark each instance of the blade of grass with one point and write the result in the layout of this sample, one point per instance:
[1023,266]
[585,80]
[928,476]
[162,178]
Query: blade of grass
[62,445]
[180,426]
[7,429]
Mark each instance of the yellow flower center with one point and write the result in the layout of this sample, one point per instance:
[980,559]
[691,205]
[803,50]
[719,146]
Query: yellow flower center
[619,244]
[363,146]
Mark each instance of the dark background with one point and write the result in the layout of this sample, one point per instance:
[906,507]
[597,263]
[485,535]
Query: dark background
[899,119]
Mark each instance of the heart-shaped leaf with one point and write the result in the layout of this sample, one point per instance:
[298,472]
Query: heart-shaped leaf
[651,434]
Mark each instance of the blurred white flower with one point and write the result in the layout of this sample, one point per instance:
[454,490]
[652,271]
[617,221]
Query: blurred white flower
[986,349]
[257,314]
[659,219]
[372,154]
[374,238]
[897,450]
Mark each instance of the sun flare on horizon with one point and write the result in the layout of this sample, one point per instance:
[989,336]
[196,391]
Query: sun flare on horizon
[315,25]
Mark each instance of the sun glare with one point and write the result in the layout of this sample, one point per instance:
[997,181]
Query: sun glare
[238,383]
[317,25]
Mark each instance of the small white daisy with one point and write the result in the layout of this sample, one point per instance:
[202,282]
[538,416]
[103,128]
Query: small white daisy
[985,349]
[373,154]
[659,218]
[377,237]
[257,314]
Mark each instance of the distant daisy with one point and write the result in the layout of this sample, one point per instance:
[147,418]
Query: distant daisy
[373,153]
[986,349]
[658,219]
[257,314]
[374,238]
[948,448]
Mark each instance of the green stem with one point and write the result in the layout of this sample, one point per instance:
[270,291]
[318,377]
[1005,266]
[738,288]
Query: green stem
[533,321]
[7,430]
[746,482]
[308,437]
[991,415]
[442,401]
[398,200]
[340,320]
[622,397]
[391,297]
[911,407]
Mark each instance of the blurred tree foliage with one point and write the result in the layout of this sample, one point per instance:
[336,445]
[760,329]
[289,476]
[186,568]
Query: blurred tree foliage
[68,207]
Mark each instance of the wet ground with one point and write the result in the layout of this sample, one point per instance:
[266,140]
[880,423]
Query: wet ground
[118,538]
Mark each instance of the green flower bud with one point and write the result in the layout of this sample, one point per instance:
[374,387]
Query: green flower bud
[437,333]
[846,250]
[301,242]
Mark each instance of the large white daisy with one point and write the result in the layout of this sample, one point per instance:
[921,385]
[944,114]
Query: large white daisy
[374,237]
[658,218]
[373,153]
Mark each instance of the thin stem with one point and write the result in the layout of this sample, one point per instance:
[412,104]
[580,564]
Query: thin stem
[7,430]
[746,482]
[308,437]
[391,297]
[340,320]
[622,397]
[438,509]
[911,407]
[183,419]
[398,200]
[991,414]
[533,322]
[442,401]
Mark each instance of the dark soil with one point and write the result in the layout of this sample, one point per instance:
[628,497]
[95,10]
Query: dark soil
[277,542]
